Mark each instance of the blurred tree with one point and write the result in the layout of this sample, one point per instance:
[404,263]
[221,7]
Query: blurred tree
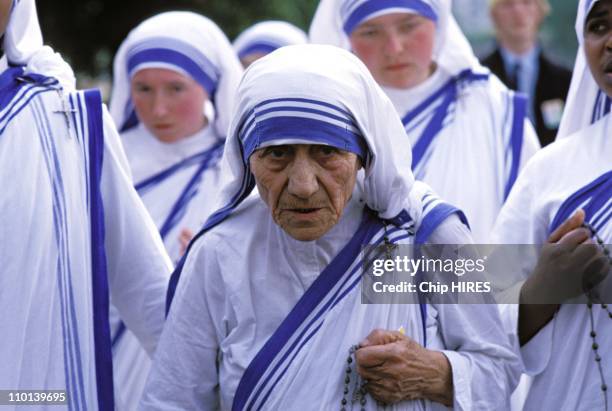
[88,32]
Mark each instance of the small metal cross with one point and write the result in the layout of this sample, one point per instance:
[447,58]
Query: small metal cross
[66,110]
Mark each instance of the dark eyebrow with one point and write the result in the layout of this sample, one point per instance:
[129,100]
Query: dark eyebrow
[597,12]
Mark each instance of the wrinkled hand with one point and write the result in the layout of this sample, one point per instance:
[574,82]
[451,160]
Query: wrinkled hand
[184,239]
[569,264]
[398,368]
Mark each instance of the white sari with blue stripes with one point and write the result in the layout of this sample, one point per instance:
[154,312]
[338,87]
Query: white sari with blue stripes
[73,231]
[274,320]
[261,320]
[470,138]
[572,173]
[177,182]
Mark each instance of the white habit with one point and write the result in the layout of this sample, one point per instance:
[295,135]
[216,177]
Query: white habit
[73,231]
[265,321]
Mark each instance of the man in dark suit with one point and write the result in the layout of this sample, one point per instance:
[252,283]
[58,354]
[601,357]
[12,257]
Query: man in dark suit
[519,62]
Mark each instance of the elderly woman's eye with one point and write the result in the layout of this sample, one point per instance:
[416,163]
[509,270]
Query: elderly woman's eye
[327,150]
[276,152]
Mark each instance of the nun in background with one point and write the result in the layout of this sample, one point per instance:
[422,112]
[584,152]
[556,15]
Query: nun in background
[563,201]
[265,37]
[470,134]
[175,76]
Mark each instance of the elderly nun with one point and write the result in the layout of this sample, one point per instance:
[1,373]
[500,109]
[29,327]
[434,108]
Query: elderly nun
[469,133]
[73,228]
[564,198]
[267,311]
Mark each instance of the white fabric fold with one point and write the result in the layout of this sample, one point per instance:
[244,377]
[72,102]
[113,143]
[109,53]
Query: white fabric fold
[23,45]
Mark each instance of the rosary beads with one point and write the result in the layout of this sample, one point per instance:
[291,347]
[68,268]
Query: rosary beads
[593,334]
[359,392]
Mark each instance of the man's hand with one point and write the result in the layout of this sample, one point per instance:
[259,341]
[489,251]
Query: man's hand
[398,368]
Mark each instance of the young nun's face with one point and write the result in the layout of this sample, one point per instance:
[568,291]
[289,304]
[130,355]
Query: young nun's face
[598,44]
[397,48]
[170,105]
[306,186]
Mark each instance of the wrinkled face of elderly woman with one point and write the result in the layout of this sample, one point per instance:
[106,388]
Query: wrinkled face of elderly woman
[169,104]
[598,44]
[397,48]
[306,186]
[5,11]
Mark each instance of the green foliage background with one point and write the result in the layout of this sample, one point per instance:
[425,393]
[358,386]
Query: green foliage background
[88,32]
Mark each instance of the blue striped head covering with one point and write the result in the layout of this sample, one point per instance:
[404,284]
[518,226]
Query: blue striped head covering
[295,120]
[355,12]
[174,54]
[267,36]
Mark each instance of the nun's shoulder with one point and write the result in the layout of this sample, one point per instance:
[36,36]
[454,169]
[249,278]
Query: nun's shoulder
[553,164]
[244,225]
[573,147]
[487,88]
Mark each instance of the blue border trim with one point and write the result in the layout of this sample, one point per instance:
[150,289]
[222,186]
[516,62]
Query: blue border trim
[9,85]
[73,368]
[191,189]
[103,354]
[307,304]
[248,183]
[258,47]
[516,138]
[434,218]
[598,192]
[309,129]
[12,82]
[159,177]
[433,127]
[177,59]
[370,7]
[448,92]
